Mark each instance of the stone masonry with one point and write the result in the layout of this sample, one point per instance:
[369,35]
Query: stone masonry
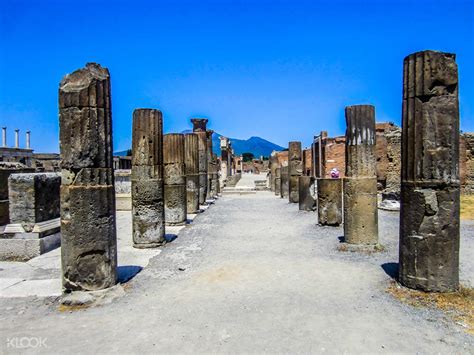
[34,198]
[148,214]
[175,179]
[360,183]
[88,227]
[429,216]
[295,170]
[329,202]
[191,160]
[199,127]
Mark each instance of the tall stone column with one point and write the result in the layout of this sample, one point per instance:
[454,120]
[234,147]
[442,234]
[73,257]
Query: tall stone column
[273,167]
[295,166]
[307,193]
[284,188]
[175,179]
[360,183]
[329,202]
[148,212]
[210,164]
[199,127]
[278,181]
[88,229]
[429,215]
[191,160]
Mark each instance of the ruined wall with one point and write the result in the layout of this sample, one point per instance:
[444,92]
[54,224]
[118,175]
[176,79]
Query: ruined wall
[307,162]
[467,166]
[334,155]
[388,155]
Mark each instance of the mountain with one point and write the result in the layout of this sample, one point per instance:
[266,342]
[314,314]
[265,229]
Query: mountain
[255,145]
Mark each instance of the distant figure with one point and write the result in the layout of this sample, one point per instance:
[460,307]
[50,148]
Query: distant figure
[334,173]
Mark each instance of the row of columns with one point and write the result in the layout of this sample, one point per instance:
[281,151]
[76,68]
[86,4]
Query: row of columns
[430,187]
[17,138]
[172,175]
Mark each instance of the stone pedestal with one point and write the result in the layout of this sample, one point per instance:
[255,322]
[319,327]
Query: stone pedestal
[148,213]
[284,187]
[88,229]
[295,166]
[191,159]
[175,179]
[34,226]
[329,202]
[360,183]
[429,215]
[277,181]
[360,210]
[307,193]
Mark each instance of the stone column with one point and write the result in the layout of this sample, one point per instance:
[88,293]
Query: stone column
[295,166]
[28,140]
[199,127]
[191,160]
[284,182]
[329,202]
[307,193]
[4,137]
[360,183]
[175,179]
[88,230]
[17,138]
[210,164]
[278,181]
[148,212]
[273,167]
[429,215]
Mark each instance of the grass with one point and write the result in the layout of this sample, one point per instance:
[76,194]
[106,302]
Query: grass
[459,306]
[467,207]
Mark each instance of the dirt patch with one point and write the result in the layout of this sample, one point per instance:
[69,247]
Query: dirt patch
[459,306]
[467,207]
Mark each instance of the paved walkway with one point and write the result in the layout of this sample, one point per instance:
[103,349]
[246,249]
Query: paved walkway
[252,274]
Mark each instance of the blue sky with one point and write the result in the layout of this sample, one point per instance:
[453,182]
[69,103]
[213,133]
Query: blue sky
[282,70]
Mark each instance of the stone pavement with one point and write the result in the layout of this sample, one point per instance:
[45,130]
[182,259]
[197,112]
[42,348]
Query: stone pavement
[252,275]
[41,276]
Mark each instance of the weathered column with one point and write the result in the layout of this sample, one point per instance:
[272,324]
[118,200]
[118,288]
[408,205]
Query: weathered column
[360,183]
[278,181]
[307,193]
[329,202]
[175,179]
[148,212]
[429,215]
[210,164]
[284,182]
[295,166]
[191,160]
[88,231]
[199,127]
[273,167]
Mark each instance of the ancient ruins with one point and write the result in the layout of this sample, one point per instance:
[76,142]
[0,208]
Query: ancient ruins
[96,207]
[429,216]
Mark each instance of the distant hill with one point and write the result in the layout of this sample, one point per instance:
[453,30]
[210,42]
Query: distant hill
[255,145]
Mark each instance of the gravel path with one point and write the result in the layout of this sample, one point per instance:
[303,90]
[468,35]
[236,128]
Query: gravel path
[252,274]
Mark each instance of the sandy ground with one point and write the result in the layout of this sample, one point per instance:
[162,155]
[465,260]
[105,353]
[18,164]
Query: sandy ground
[252,274]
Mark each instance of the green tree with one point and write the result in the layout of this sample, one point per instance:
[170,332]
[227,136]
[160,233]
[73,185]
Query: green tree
[247,156]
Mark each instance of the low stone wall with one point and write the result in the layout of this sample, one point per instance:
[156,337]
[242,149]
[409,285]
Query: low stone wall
[232,180]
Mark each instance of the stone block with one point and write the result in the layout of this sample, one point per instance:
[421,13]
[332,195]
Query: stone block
[329,201]
[33,198]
